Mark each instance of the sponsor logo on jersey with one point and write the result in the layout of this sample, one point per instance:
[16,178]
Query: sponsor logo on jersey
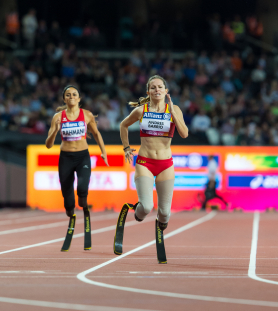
[153,115]
[167,116]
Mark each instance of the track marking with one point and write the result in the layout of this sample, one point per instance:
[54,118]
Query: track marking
[105,229]
[66,306]
[253,254]
[8,272]
[52,225]
[82,276]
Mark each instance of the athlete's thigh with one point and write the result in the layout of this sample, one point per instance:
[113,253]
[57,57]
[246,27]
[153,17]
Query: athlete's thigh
[66,171]
[141,170]
[169,173]
[83,172]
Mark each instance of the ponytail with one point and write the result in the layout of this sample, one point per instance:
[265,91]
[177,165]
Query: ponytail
[61,108]
[141,101]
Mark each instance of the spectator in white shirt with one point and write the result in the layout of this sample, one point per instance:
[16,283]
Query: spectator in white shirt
[30,25]
[200,122]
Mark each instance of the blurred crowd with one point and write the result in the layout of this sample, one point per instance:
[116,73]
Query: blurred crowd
[228,96]
[209,33]
[225,99]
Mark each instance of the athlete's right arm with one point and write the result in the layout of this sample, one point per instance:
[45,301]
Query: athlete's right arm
[54,129]
[134,116]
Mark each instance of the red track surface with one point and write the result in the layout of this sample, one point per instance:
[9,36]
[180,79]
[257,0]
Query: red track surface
[206,261]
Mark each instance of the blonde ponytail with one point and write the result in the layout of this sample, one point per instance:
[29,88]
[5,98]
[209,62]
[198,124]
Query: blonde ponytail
[141,101]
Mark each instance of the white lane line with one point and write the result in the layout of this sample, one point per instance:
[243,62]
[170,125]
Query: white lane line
[66,306]
[135,258]
[82,276]
[30,219]
[8,272]
[44,217]
[105,229]
[253,253]
[52,225]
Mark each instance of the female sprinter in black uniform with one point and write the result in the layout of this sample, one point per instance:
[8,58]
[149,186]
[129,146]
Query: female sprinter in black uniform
[72,122]
[157,125]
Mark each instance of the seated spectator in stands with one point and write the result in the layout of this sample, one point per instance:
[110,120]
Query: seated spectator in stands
[35,103]
[227,85]
[236,61]
[32,76]
[258,74]
[238,27]
[68,68]
[203,59]
[200,122]
[76,30]
[201,78]
[190,69]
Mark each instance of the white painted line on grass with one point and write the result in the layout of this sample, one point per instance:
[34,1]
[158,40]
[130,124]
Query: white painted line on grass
[253,254]
[66,306]
[82,276]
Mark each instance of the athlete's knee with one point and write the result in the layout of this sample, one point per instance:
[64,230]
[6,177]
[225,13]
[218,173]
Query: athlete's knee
[147,207]
[164,213]
[82,191]
[82,202]
[70,212]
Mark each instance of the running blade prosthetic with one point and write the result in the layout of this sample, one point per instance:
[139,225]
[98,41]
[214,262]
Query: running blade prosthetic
[69,235]
[87,230]
[119,234]
[160,249]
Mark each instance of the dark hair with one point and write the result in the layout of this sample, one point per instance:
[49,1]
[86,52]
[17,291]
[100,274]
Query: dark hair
[69,86]
[64,107]
[144,100]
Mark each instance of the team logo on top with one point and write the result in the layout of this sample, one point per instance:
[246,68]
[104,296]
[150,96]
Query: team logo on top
[81,123]
[167,116]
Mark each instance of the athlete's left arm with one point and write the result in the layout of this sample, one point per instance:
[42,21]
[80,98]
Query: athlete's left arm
[177,118]
[92,127]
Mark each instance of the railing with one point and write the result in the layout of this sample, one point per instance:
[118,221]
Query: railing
[266,46]
[8,43]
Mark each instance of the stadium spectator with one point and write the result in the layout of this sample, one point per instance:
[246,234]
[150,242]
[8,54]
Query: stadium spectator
[12,25]
[30,25]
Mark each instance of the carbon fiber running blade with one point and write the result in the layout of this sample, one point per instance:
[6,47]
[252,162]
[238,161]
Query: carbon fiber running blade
[119,234]
[160,248]
[87,231]
[69,235]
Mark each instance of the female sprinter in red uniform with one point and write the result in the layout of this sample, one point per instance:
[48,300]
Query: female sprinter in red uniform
[157,121]
[73,122]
